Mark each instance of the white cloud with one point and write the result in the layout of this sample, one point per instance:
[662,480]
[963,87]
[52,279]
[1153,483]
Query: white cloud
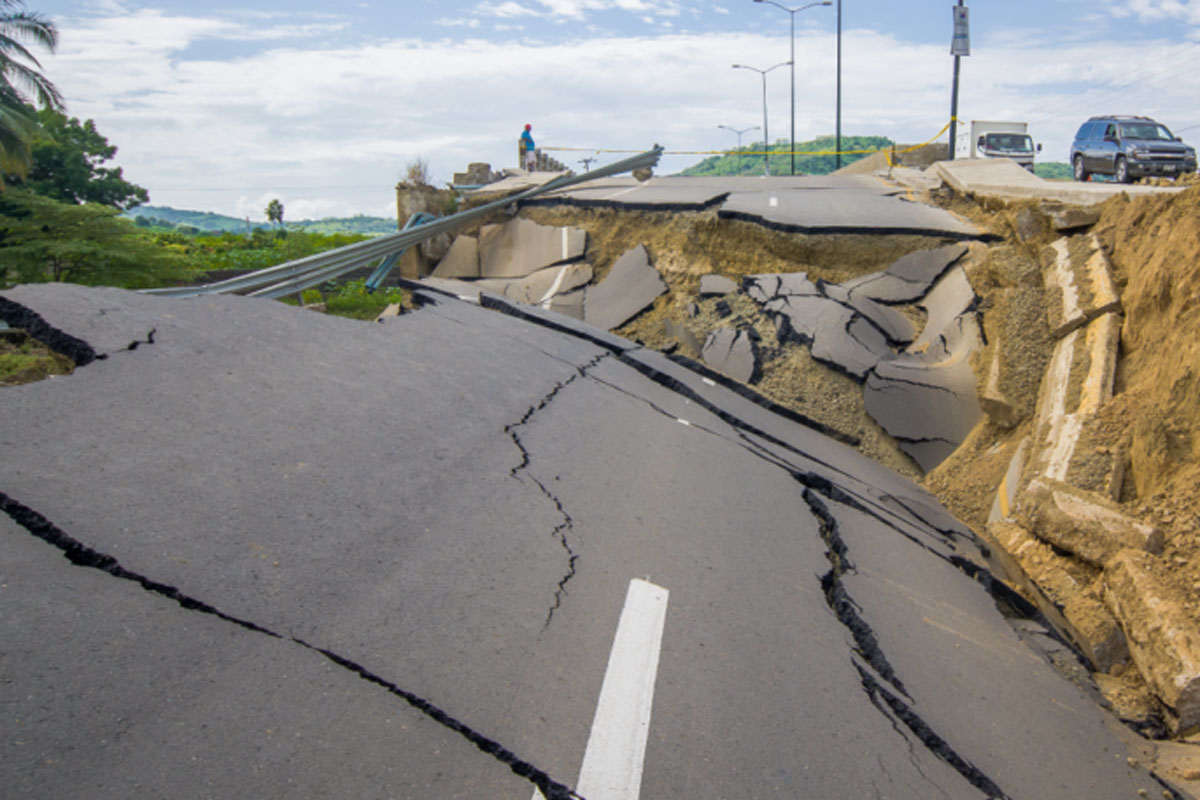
[461,22]
[506,10]
[332,128]
[1156,10]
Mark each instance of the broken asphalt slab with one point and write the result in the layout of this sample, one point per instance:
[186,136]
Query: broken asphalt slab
[389,559]
[628,289]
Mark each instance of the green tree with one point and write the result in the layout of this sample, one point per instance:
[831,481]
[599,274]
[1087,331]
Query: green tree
[275,212]
[21,82]
[68,158]
[42,239]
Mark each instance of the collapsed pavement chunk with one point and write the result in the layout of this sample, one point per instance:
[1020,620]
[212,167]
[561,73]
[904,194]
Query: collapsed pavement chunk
[629,289]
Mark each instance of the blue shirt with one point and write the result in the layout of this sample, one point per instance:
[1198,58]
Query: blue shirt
[527,140]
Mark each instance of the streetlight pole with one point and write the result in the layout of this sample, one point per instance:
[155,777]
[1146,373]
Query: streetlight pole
[766,136]
[838,135]
[739,135]
[792,14]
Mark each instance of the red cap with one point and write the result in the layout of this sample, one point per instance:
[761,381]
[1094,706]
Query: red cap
[528,126]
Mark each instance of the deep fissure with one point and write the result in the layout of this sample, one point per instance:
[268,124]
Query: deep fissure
[81,555]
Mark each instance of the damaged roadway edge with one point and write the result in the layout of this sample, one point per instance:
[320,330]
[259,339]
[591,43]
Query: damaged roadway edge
[568,524]
[79,351]
[83,556]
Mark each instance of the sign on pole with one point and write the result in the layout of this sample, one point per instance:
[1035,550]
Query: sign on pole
[961,44]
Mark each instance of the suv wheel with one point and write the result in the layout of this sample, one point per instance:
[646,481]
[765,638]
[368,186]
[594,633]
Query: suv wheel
[1081,174]
[1122,170]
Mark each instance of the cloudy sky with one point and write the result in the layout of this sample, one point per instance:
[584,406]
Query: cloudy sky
[222,107]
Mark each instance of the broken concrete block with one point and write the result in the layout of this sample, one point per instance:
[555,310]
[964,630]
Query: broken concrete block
[929,408]
[909,278]
[461,260]
[716,284]
[898,328]
[1069,219]
[764,288]
[1083,523]
[520,247]
[691,309]
[1006,493]
[542,286]
[569,304]
[1057,586]
[1095,630]
[685,337]
[999,409]
[732,353]
[1079,283]
[629,289]
[1029,224]
[948,299]
[1077,382]
[1162,636]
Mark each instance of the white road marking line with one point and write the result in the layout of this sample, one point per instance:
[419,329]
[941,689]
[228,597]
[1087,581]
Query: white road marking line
[623,191]
[564,242]
[562,271]
[774,202]
[616,749]
[709,381]
[683,421]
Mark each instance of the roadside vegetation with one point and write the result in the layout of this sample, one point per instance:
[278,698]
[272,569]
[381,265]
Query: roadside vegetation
[739,161]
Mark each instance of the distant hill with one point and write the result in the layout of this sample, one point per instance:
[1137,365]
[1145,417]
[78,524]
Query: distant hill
[781,163]
[167,217]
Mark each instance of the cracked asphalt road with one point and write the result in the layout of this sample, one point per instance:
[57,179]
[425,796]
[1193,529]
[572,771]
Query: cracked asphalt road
[271,553]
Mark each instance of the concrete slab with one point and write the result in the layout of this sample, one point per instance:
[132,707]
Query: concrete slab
[898,328]
[733,353]
[569,304]
[928,408]
[1161,634]
[626,291]
[461,260]
[1078,381]
[950,299]
[999,177]
[909,278]
[843,211]
[520,247]
[541,287]
[1006,494]
[1050,580]
[657,194]
[716,284]
[1079,283]
[1083,523]
[763,288]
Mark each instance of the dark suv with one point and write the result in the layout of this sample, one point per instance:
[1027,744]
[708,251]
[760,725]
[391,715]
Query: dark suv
[1129,148]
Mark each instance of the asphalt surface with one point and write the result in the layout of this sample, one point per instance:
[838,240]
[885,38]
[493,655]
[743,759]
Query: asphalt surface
[805,204]
[250,550]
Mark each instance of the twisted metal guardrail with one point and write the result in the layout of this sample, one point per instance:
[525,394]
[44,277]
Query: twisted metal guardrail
[296,276]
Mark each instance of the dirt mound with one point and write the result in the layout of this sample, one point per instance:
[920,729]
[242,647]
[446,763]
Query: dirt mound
[902,155]
[1154,244]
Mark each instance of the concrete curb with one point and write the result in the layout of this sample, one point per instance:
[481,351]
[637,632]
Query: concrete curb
[1162,638]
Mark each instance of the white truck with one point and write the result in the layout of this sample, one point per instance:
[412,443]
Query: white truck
[994,139]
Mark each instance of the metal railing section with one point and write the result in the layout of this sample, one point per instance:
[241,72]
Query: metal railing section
[296,276]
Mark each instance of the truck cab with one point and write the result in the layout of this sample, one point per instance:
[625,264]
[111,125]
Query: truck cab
[1003,140]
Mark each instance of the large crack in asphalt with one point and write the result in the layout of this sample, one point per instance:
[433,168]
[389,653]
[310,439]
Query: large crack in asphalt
[81,555]
[567,525]
[18,316]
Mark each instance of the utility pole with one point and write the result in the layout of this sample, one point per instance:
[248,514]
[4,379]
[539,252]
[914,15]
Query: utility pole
[960,46]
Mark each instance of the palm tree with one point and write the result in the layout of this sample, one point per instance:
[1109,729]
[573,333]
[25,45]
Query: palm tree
[275,212]
[21,83]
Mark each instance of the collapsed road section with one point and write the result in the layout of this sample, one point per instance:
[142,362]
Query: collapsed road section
[350,488]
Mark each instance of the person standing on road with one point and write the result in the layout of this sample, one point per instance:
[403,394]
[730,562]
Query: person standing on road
[528,146]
